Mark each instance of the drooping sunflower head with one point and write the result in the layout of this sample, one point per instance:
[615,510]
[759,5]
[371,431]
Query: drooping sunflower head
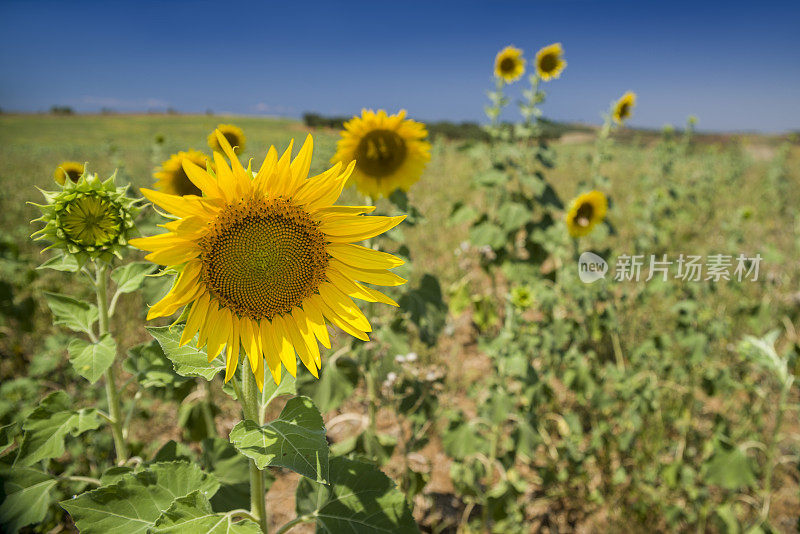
[509,64]
[390,151]
[586,212]
[68,169]
[623,108]
[233,135]
[172,179]
[550,61]
[265,259]
[88,219]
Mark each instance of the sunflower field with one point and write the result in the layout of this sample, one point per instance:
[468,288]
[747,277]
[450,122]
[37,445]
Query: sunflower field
[247,325]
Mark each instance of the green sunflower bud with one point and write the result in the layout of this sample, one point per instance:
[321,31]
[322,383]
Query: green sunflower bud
[88,219]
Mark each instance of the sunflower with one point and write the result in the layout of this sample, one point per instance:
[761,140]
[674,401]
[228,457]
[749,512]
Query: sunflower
[264,261]
[233,134]
[172,179]
[585,212]
[89,219]
[623,108]
[391,151]
[68,169]
[550,61]
[509,64]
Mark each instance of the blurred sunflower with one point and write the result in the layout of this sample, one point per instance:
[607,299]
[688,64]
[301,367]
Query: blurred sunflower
[623,108]
[586,212]
[68,169]
[172,179]
[391,151]
[233,134]
[509,64]
[265,261]
[550,61]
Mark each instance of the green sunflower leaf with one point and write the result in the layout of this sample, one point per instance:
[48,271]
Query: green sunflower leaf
[90,360]
[48,425]
[61,262]
[359,499]
[137,500]
[295,440]
[72,313]
[193,513]
[131,276]
[186,360]
[26,497]
[487,233]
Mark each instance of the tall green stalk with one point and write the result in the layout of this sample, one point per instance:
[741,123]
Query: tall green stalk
[114,409]
[251,404]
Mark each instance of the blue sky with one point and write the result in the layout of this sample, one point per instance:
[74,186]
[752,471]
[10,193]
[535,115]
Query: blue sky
[734,65]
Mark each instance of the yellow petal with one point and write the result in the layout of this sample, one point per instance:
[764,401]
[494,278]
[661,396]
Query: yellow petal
[239,172]
[301,165]
[227,183]
[299,343]
[232,356]
[337,320]
[196,317]
[184,291]
[349,229]
[181,206]
[305,328]
[317,323]
[262,181]
[356,290]
[218,333]
[250,332]
[200,177]
[343,306]
[174,256]
[369,276]
[271,349]
[326,196]
[284,343]
[363,257]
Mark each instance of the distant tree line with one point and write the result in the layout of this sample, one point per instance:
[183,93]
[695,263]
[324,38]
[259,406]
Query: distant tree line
[466,131]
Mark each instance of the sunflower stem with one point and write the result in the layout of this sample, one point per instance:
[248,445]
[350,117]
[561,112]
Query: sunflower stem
[251,400]
[114,409]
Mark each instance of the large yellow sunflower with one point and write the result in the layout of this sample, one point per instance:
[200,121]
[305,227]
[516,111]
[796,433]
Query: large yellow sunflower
[550,61]
[264,261]
[391,151]
[68,169]
[233,134]
[586,212]
[623,108]
[172,179]
[509,64]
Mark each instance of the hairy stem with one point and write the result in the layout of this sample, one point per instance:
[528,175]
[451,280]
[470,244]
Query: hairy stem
[114,409]
[251,400]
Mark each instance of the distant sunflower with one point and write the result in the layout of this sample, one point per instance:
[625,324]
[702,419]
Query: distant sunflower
[172,179]
[550,61]
[623,108]
[233,134]
[68,169]
[509,64]
[264,261]
[390,151]
[586,212]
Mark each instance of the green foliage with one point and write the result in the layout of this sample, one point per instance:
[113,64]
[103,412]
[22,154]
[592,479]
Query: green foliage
[25,497]
[295,440]
[138,500]
[186,360]
[359,499]
[49,424]
[193,513]
[74,314]
[90,360]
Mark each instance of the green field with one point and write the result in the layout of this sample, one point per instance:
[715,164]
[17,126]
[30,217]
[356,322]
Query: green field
[646,411]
